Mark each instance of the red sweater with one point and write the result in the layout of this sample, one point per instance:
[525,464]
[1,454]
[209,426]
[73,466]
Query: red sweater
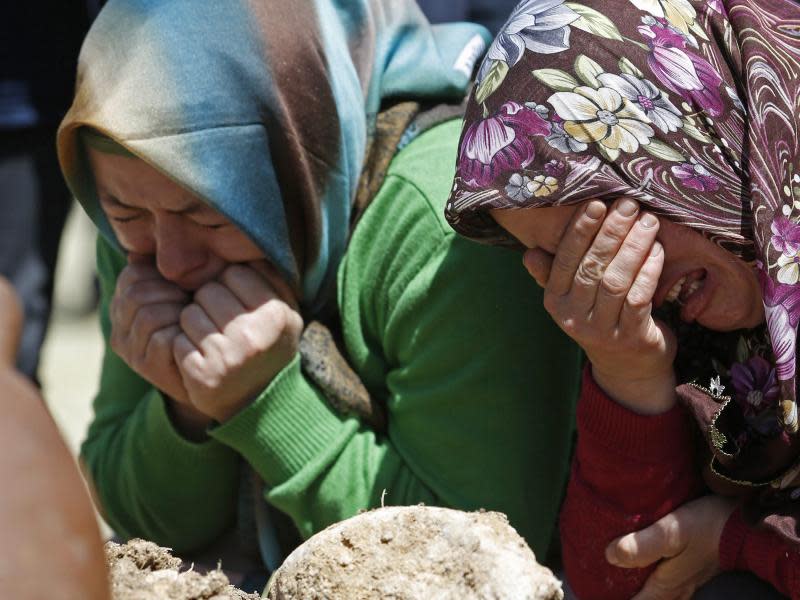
[629,471]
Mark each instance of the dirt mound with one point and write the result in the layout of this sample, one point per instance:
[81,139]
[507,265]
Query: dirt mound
[141,570]
[416,553]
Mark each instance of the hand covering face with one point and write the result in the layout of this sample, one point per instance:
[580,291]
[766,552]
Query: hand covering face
[689,107]
[262,108]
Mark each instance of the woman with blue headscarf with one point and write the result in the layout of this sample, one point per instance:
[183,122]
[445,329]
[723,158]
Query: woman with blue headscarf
[257,166]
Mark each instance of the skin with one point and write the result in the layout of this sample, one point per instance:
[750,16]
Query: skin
[47,525]
[198,311]
[603,269]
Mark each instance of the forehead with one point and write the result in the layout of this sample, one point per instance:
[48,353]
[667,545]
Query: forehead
[536,227]
[136,183]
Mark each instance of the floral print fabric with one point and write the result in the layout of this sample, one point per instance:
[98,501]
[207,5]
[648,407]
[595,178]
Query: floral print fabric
[693,108]
[689,106]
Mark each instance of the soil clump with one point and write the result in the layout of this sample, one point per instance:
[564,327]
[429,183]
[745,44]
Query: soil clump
[416,553]
[141,570]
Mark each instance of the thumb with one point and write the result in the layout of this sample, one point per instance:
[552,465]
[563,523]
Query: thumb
[11,321]
[662,539]
[538,263]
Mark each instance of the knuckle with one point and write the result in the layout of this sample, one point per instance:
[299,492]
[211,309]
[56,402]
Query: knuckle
[585,227]
[671,534]
[612,284]
[276,312]
[569,326]
[616,227]
[589,272]
[253,337]
[147,318]
[564,261]
[162,339]
[637,299]
[636,246]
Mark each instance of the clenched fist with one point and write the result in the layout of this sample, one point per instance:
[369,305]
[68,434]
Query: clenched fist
[240,331]
[145,316]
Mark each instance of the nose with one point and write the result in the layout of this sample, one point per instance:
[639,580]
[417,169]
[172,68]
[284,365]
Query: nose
[180,257]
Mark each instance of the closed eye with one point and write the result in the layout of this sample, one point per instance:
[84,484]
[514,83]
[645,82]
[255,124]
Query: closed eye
[125,219]
[212,225]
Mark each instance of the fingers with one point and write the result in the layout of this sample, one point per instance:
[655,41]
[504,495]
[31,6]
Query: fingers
[138,286]
[571,249]
[201,330]
[273,279]
[251,287]
[591,271]
[639,300]
[149,320]
[186,355]
[219,303]
[624,270]
[663,539]
[538,263]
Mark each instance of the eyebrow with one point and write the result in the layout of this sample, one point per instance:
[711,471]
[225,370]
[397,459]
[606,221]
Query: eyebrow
[189,209]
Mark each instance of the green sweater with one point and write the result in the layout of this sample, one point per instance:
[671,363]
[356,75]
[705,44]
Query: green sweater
[479,384]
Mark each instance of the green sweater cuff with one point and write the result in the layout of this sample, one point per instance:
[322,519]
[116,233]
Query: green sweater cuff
[287,428]
[186,457]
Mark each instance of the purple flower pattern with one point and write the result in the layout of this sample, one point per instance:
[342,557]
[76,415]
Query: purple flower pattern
[500,144]
[696,176]
[683,72]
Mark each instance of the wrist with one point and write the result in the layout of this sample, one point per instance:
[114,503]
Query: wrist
[187,420]
[651,395]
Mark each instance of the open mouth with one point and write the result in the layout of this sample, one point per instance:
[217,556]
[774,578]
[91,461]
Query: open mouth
[686,287]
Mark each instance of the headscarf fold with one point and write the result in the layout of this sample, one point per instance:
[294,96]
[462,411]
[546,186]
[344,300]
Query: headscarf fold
[262,108]
[692,107]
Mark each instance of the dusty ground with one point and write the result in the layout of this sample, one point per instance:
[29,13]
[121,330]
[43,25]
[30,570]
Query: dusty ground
[141,570]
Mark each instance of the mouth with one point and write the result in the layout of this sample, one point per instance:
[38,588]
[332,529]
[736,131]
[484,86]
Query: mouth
[691,291]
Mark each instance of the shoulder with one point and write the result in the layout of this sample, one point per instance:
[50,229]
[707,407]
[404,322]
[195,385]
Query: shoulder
[425,168]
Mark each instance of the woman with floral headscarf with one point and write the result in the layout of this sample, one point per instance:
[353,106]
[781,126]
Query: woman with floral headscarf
[685,114]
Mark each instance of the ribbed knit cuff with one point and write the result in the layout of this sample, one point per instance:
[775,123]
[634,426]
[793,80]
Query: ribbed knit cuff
[649,437]
[731,542]
[287,427]
[185,456]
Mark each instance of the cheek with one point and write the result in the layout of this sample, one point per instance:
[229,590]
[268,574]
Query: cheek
[135,237]
[234,246]
[738,303]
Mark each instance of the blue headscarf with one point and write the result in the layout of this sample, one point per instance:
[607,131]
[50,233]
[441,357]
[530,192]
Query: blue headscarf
[262,108]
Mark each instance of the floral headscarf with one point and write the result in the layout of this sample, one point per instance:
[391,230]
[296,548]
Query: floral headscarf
[691,107]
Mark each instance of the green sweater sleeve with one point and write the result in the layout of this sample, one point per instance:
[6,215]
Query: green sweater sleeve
[479,384]
[150,481]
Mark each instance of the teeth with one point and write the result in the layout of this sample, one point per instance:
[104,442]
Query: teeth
[675,291]
[693,287]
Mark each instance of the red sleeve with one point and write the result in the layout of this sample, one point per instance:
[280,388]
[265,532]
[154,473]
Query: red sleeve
[629,470]
[761,552]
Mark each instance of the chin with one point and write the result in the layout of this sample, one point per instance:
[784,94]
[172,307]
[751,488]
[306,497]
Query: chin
[730,320]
